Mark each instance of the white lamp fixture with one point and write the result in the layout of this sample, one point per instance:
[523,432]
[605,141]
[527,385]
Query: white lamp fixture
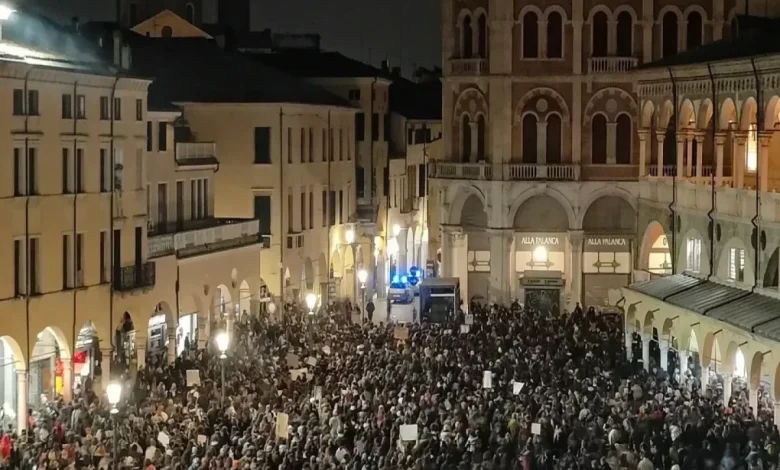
[222,343]
[396,230]
[311,302]
[6,11]
[350,236]
[362,277]
[114,393]
[540,254]
[392,247]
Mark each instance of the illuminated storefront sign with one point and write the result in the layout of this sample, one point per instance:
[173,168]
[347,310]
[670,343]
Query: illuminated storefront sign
[539,252]
[607,243]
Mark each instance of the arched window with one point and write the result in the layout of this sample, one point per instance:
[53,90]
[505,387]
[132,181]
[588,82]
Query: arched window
[482,36]
[625,35]
[167,32]
[554,35]
[669,37]
[751,158]
[481,138]
[189,13]
[600,32]
[623,139]
[465,139]
[554,150]
[529,138]
[694,30]
[598,139]
[530,35]
[467,38]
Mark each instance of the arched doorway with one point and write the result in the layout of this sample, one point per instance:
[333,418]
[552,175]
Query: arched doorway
[473,219]
[160,335]
[14,370]
[87,361]
[221,307]
[244,300]
[656,256]
[541,225]
[608,225]
[46,377]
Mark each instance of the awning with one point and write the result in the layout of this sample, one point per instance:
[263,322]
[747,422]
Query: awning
[663,287]
[703,297]
[755,313]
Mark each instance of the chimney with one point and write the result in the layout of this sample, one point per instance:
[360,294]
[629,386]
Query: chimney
[385,66]
[118,48]
[397,72]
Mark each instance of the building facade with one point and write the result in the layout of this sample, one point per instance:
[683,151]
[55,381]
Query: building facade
[540,186]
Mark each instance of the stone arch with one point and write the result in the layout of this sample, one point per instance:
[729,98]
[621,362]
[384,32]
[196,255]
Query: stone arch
[20,361]
[682,257]
[163,308]
[748,114]
[772,113]
[649,323]
[599,8]
[542,191]
[611,191]
[530,8]
[541,213]
[706,110]
[711,351]
[609,214]
[771,278]
[470,101]
[473,213]
[244,298]
[335,264]
[698,9]
[667,330]
[666,113]
[536,95]
[608,102]
[555,9]
[62,341]
[754,370]
[648,111]
[626,8]
[223,299]
[687,114]
[652,255]
[669,8]
[693,342]
[727,114]
[735,362]
[723,260]
[462,193]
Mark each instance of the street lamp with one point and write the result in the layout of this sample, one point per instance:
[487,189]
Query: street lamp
[349,237]
[396,230]
[311,302]
[114,393]
[223,340]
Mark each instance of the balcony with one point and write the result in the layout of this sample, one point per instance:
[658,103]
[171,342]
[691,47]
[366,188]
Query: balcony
[611,64]
[505,171]
[196,153]
[529,171]
[135,277]
[196,237]
[470,67]
[460,171]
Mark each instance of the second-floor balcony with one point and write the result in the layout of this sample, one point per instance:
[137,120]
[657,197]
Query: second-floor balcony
[196,153]
[470,67]
[135,277]
[514,171]
[192,238]
[611,64]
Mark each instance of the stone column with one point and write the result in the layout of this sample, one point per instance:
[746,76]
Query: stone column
[648,23]
[660,141]
[612,38]
[681,170]
[67,379]
[629,339]
[500,257]
[576,26]
[611,142]
[474,129]
[576,239]
[543,37]
[720,141]
[21,400]
[643,135]
[705,379]
[646,351]
[727,384]
[683,358]
[699,142]
[763,161]
[754,401]
[777,411]
[171,346]
[664,346]
[541,142]
[740,139]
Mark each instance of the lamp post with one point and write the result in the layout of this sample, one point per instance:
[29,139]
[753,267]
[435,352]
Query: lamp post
[363,277]
[223,340]
[311,302]
[114,393]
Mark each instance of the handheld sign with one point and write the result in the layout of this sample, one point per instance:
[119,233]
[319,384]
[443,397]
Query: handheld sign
[517,387]
[281,425]
[408,432]
[487,379]
[193,378]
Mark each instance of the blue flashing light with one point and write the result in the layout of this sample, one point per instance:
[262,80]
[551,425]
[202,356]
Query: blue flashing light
[404,279]
[413,281]
[413,271]
[396,279]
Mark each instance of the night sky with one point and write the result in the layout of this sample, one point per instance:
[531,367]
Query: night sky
[405,31]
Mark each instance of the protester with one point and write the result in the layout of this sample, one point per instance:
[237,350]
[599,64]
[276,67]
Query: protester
[559,394]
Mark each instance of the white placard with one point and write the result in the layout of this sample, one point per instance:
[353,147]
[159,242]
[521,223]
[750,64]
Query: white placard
[311,361]
[487,379]
[303,372]
[150,453]
[202,439]
[326,350]
[193,378]
[163,439]
[293,360]
[464,329]
[281,425]
[408,432]
[469,319]
[517,387]
[536,428]
[318,392]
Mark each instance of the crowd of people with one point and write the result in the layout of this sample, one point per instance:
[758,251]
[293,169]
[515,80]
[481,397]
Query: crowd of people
[514,390]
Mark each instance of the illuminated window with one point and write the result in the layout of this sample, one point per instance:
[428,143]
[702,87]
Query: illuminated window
[694,254]
[736,264]
[752,148]
[660,258]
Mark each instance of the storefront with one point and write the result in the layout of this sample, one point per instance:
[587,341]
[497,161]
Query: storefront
[8,384]
[158,336]
[606,266]
[540,264]
[42,372]
[188,330]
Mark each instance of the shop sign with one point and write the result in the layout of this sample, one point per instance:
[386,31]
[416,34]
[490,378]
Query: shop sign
[529,241]
[607,243]
[156,321]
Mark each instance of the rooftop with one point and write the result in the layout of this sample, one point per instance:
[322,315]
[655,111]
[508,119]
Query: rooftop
[316,63]
[416,100]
